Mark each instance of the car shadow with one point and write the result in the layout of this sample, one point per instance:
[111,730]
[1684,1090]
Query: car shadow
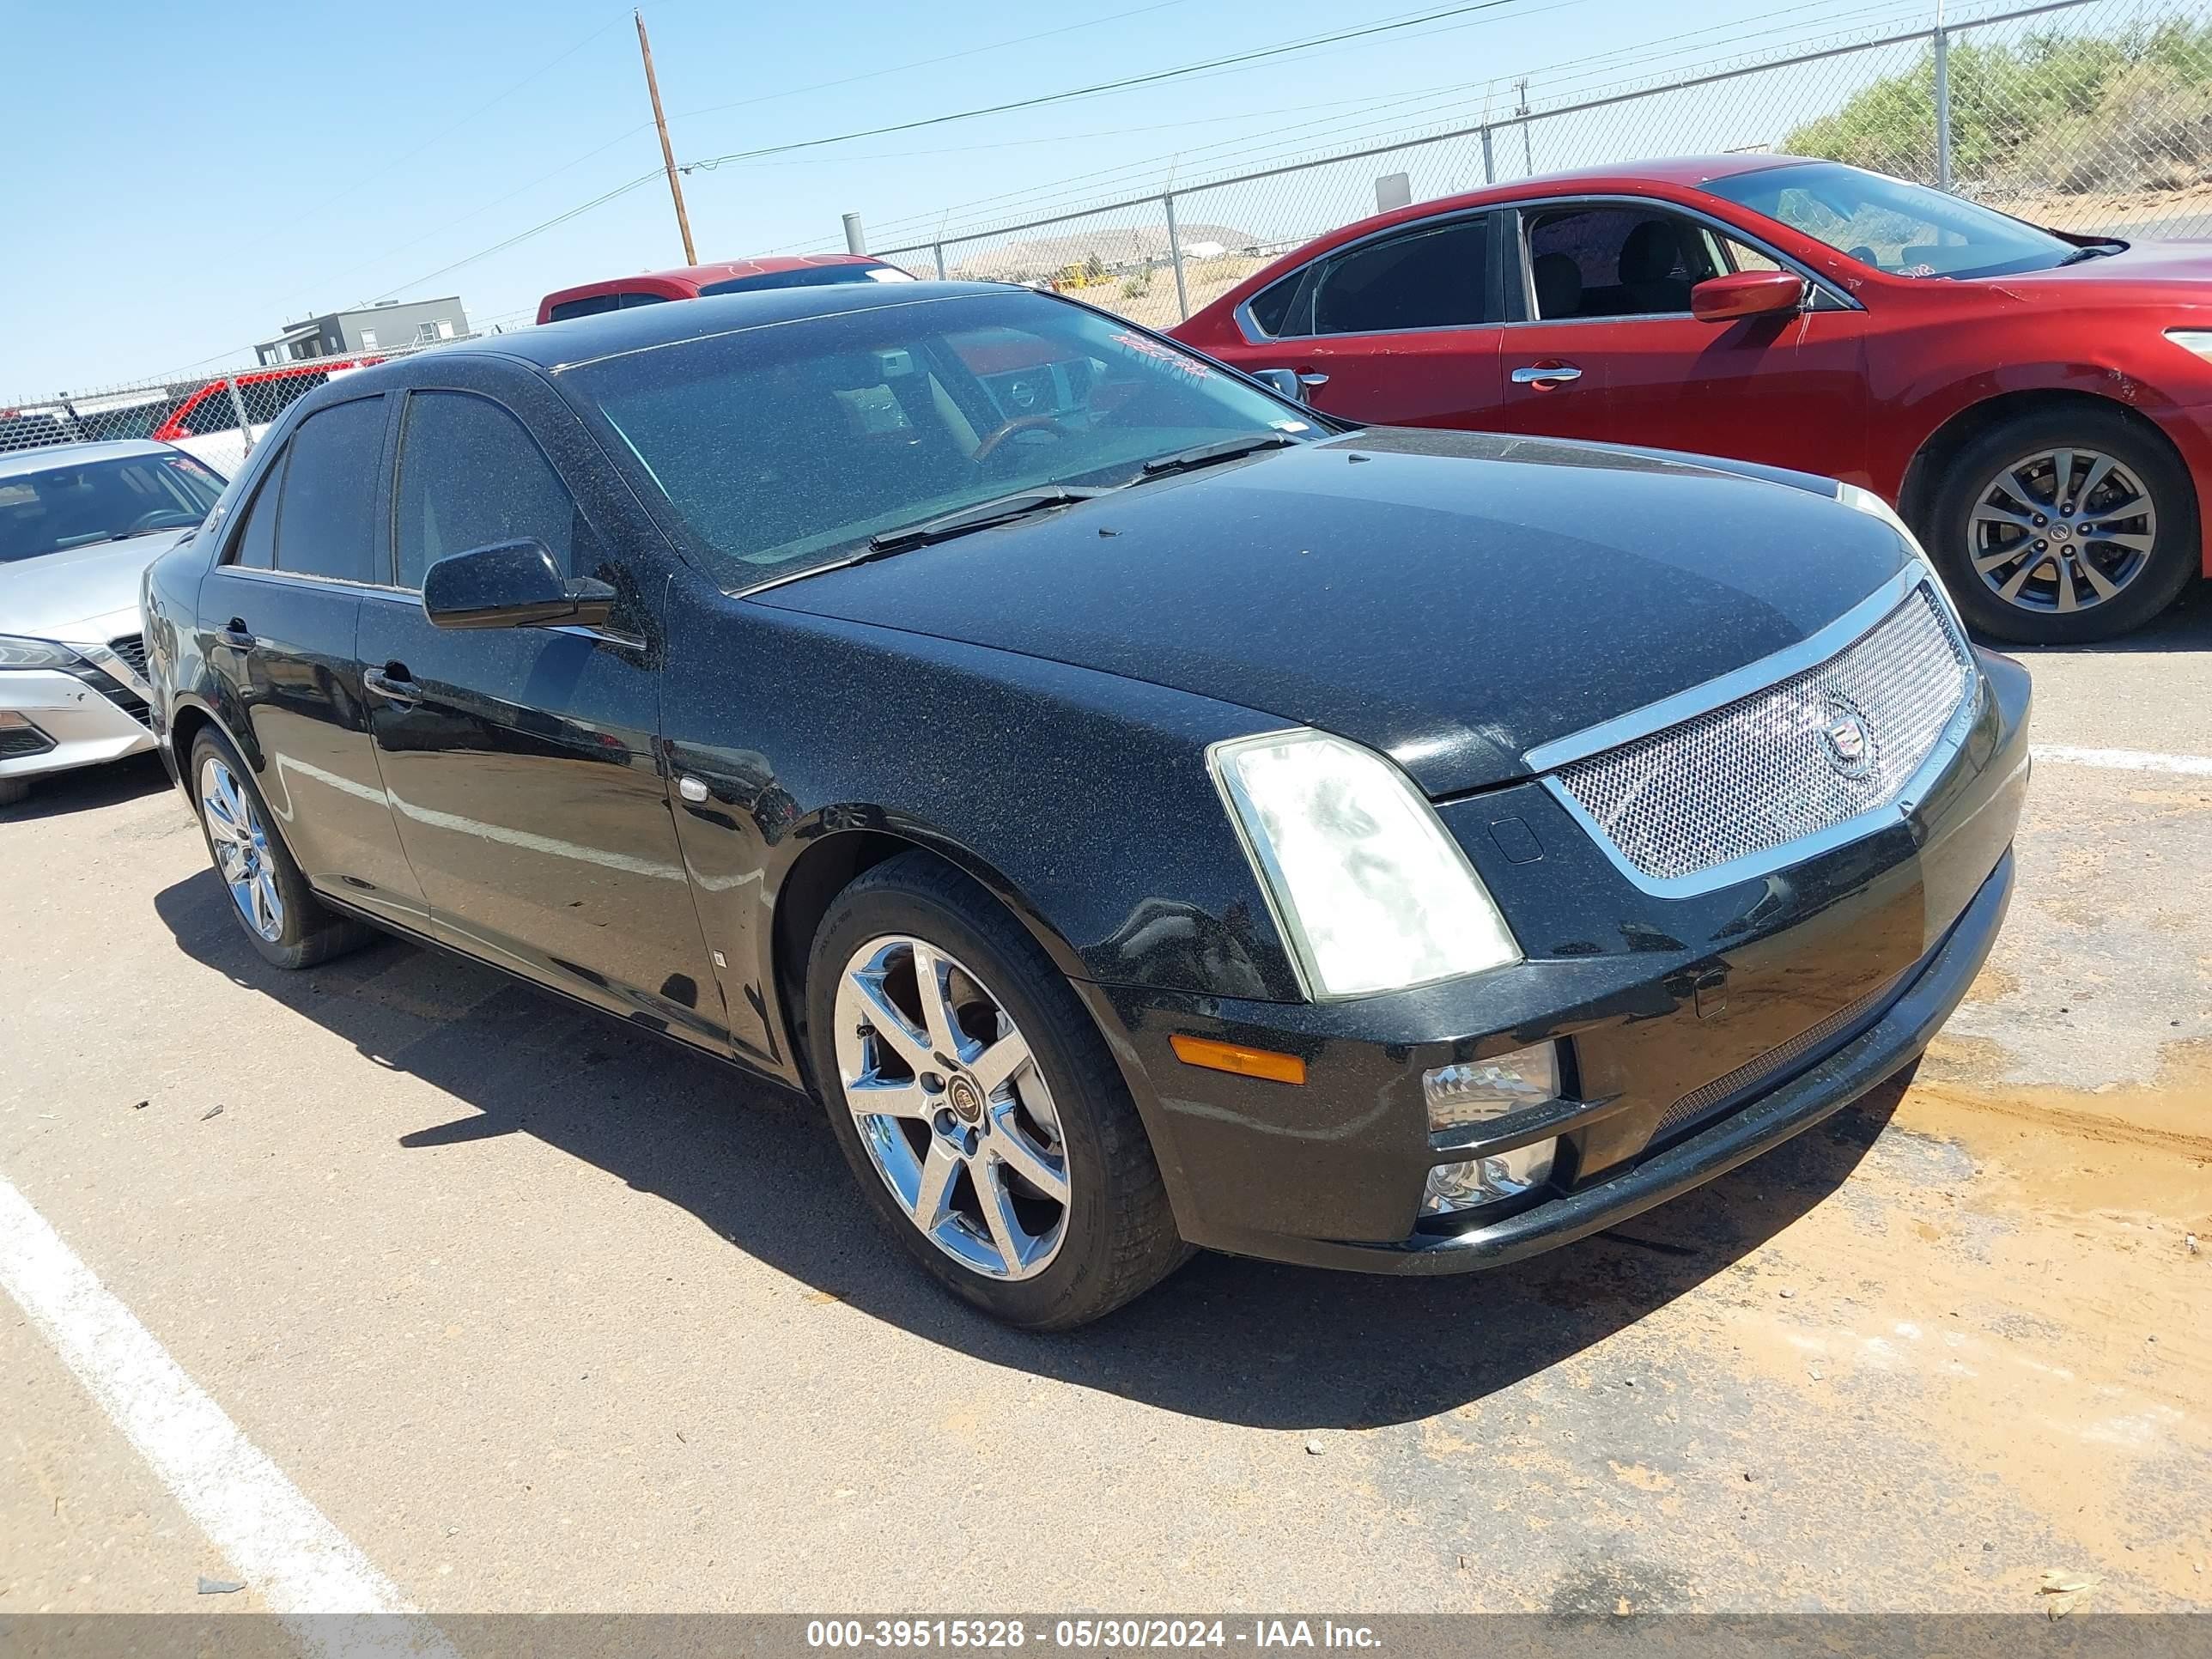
[85,788]
[2185,625]
[1229,1339]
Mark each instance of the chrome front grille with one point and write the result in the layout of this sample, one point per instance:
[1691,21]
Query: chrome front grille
[1800,756]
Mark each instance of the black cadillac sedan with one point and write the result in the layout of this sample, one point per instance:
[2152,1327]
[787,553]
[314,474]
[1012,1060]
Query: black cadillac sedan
[1145,814]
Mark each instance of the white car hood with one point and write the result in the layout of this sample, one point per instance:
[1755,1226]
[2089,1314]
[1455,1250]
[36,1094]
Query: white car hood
[83,594]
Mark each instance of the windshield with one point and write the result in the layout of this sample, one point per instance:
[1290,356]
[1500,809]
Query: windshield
[1907,230]
[789,446]
[62,507]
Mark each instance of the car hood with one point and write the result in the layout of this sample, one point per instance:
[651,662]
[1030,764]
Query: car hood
[2162,272]
[81,594]
[1453,599]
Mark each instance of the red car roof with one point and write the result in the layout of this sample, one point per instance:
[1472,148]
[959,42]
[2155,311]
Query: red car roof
[685,280]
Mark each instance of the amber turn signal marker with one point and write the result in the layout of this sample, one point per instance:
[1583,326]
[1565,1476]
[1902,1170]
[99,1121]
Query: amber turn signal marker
[1236,1058]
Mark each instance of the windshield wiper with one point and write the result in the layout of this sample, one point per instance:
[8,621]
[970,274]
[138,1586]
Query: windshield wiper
[1224,449]
[2095,251]
[999,510]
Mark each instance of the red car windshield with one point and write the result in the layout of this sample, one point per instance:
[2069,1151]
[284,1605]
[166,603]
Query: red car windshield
[1907,230]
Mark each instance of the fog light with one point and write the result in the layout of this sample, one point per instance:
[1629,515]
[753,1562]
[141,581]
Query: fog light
[1476,1091]
[1485,1180]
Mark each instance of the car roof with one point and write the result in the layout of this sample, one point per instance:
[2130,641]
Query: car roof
[17,462]
[583,339]
[697,276]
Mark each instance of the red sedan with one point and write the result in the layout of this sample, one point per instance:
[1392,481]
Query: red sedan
[729,277]
[2035,404]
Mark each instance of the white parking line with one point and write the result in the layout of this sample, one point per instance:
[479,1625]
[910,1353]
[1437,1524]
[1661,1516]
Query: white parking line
[301,1566]
[2123,760]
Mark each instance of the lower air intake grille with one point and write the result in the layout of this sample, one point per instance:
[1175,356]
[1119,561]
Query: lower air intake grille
[21,742]
[1803,755]
[1771,1064]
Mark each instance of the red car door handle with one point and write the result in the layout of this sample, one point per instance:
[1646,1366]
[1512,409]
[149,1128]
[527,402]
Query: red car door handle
[1545,375]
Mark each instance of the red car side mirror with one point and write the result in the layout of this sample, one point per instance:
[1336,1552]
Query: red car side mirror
[1747,294]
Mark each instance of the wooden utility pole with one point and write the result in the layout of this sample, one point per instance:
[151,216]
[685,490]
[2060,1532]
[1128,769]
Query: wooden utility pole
[667,155]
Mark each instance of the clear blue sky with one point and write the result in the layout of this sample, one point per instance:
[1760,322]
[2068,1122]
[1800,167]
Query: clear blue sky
[184,180]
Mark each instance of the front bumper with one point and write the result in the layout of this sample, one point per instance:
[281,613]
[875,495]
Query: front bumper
[80,718]
[1702,1030]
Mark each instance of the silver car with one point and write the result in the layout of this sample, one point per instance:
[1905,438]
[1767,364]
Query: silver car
[78,525]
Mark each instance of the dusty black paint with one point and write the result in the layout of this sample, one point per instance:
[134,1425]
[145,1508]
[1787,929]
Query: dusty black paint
[1034,703]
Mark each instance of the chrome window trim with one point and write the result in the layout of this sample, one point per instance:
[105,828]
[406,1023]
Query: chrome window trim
[305,577]
[1255,335]
[1717,693]
[1712,222]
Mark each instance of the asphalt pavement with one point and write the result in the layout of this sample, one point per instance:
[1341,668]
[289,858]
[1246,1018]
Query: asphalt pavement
[534,1313]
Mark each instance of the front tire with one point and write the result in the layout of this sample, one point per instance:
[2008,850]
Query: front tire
[2064,527]
[977,1104]
[270,897]
[13,790]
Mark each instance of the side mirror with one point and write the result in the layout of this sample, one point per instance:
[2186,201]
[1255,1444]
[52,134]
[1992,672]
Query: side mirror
[1747,294]
[1283,380]
[511,584]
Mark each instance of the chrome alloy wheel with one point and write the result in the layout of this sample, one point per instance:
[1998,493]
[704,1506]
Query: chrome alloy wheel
[2061,530]
[954,1112]
[241,849]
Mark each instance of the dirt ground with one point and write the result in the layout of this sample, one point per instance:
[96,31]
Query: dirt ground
[543,1316]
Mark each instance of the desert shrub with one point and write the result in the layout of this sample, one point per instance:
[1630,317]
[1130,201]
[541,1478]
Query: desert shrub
[2052,111]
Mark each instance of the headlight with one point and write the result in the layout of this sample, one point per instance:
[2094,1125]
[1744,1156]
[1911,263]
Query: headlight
[16,653]
[2197,341]
[1368,888]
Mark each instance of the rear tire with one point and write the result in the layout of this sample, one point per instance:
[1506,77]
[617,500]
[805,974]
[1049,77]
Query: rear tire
[269,898]
[2042,559]
[1049,1138]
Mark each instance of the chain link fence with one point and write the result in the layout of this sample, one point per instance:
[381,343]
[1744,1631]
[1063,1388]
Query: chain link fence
[218,418]
[2083,115]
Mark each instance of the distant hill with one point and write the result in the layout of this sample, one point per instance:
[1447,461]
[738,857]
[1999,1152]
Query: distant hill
[1117,247]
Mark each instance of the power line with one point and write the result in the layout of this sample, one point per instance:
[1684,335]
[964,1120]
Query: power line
[1152,78]
[926,63]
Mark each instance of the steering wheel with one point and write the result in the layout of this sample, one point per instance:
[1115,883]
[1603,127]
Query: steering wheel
[154,520]
[1051,424]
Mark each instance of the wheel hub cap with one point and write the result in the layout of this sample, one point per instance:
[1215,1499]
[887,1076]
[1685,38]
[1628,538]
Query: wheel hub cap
[951,1109]
[241,849]
[2061,530]
[967,1103]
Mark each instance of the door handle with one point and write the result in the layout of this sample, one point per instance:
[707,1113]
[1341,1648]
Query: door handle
[392,683]
[1543,375]
[1308,379]
[235,632]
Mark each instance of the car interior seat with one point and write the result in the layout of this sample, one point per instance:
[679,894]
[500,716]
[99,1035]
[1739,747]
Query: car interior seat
[1559,285]
[1650,257]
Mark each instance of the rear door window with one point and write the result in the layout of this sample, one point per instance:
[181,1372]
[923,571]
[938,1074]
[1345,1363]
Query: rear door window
[326,525]
[255,548]
[1429,276]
